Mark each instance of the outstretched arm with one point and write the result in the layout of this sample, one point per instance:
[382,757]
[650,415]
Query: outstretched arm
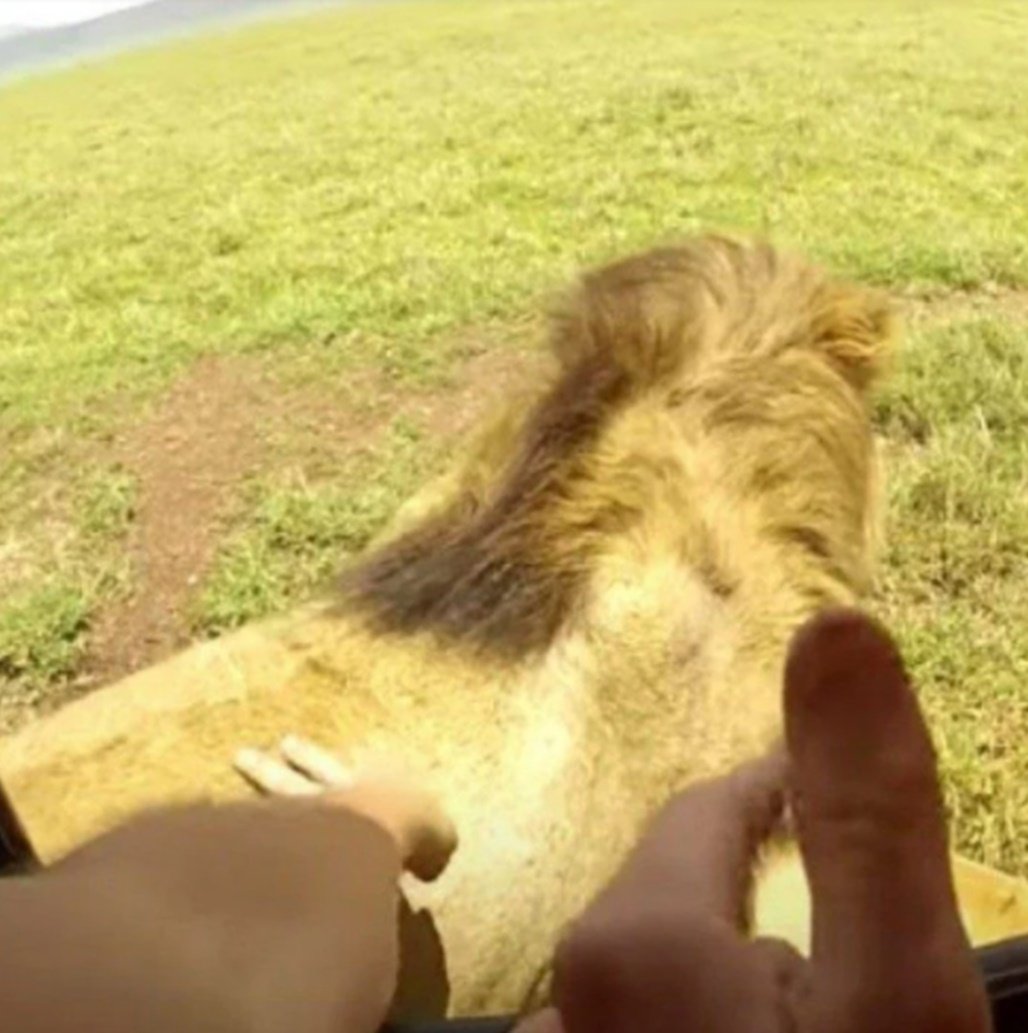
[267,916]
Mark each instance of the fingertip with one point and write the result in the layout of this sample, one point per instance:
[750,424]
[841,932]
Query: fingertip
[829,641]
[429,865]
[844,678]
[436,843]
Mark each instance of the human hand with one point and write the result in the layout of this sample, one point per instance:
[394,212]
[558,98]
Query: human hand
[663,948]
[270,915]
[378,790]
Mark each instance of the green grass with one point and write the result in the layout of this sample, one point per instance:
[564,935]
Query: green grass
[956,573]
[358,191]
[40,639]
[400,172]
[46,607]
[297,534]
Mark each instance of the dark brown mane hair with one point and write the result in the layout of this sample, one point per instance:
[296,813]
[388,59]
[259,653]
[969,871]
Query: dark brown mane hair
[503,569]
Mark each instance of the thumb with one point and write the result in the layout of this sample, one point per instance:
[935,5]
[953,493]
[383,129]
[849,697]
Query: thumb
[869,816]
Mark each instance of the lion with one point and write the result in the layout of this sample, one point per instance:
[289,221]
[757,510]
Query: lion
[589,611]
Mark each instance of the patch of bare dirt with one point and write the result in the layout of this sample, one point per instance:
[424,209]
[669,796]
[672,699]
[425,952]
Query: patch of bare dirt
[484,382]
[934,305]
[227,419]
[188,459]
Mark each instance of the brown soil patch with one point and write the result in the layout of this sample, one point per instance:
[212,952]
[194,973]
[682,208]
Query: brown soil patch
[486,379]
[227,419]
[188,458]
[941,305]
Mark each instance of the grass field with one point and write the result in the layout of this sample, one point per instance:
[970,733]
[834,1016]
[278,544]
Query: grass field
[253,287]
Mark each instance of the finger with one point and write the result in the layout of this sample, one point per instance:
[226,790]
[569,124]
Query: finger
[868,809]
[700,849]
[272,776]
[867,798]
[316,763]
